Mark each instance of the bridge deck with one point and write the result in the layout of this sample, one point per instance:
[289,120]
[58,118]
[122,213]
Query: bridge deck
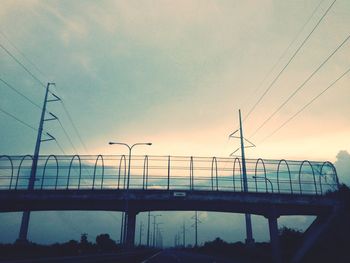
[164,200]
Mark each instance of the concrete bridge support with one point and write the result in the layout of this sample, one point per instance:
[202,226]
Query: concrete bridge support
[130,228]
[274,238]
[23,232]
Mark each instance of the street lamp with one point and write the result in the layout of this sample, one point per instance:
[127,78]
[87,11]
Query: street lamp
[266,179]
[159,237]
[130,148]
[128,182]
[156,237]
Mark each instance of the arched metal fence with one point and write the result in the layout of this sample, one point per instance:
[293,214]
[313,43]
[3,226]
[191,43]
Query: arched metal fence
[168,173]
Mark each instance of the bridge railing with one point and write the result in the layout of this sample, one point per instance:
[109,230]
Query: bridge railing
[168,173]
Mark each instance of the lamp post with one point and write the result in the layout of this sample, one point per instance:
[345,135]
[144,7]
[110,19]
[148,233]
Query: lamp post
[266,179]
[129,162]
[157,234]
[126,217]
[159,240]
[141,233]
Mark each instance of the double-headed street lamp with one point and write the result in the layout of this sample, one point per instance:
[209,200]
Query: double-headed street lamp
[125,227]
[130,148]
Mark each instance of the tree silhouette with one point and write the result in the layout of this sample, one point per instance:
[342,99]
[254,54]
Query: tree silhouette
[105,243]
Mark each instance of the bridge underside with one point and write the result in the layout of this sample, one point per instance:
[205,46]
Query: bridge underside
[164,200]
[270,205]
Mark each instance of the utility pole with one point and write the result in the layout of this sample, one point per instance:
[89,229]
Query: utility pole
[148,227]
[160,238]
[23,233]
[157,237]
[184,234]
[122,229]
[177,239]
[154,229]
[249,241]
[195,225]
[141,229]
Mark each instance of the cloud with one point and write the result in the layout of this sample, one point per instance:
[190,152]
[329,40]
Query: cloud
[83,61]
[74,27]
[177,25]
[8,7]
[342,165]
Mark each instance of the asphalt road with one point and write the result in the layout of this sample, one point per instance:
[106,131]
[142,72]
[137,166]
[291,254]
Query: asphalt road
[147,256]
[121,257]
[176,256]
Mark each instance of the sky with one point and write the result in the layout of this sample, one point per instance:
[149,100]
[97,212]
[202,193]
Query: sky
[175,73]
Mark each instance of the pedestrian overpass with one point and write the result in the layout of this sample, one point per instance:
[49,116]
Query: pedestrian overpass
[174,183]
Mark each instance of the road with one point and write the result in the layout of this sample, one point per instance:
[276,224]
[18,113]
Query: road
[121,257]
[146,256]
[176,256]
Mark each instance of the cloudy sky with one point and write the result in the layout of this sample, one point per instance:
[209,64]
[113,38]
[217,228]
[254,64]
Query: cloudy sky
[175,73]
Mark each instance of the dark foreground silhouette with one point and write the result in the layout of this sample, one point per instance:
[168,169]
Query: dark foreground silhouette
[331,247]
[261,252]
[73,251]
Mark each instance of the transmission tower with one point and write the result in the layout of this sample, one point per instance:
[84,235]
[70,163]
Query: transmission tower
[23,233]
[249,240]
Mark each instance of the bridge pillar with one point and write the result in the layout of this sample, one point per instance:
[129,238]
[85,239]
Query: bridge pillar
[23,232]
[130,228]
[274,238]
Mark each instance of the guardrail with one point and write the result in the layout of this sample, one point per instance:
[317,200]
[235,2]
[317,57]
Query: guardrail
[168,173]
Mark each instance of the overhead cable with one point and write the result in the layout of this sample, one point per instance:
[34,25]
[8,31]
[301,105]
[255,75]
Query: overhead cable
[23,55]
[23,66]
[287,64]
[74,127]
[20,93]
[306,106]
[285,51]
[17,119]
[301,86]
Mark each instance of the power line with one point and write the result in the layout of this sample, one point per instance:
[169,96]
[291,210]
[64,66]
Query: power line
[39,81]
[19,93]
[74,127]
[285,51]
[66,134]
[20,52]
[289,61]
[60,147]
[17,119]
[306,106]
[25,97]
[29,126]
[22,65]
[21,121]
[301,86]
